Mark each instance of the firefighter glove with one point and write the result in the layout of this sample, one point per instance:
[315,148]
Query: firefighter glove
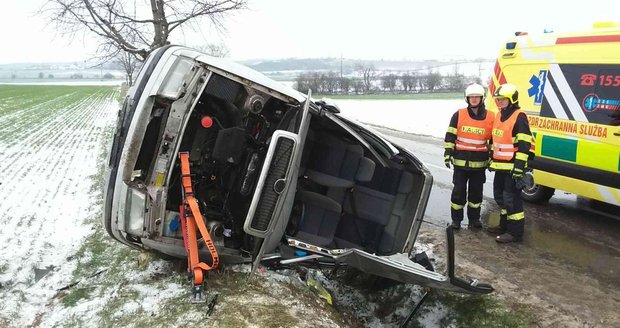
[517,176]
[447,160]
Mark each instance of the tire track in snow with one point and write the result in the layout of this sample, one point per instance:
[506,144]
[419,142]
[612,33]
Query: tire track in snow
[49,196]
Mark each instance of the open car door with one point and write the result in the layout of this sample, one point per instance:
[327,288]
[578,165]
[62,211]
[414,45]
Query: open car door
[400,268]
[275,192]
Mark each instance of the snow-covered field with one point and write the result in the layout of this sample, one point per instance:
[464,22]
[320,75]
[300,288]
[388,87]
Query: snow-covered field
[49,145]
[62,82]
[425,117]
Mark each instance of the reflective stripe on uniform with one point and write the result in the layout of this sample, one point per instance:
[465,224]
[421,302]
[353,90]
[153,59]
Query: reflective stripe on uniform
[516,216]
[503,153]
[456,206]
[503,211]
[473,165]
[452,130]
[473,205]
[477,165]
[458,162]
[524,137]
[472,141]
[460,146]
[521,156]
[448,145]
[501,166]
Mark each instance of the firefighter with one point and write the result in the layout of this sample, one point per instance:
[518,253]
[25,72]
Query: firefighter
[466,148]
[512,143]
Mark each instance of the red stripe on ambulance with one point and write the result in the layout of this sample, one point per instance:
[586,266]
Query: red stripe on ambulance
[588,39]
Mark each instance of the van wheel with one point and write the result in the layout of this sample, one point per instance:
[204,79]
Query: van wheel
[534,193]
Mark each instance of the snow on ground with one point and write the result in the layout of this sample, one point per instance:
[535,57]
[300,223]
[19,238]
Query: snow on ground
[48,152]
[425,117]
[379,303]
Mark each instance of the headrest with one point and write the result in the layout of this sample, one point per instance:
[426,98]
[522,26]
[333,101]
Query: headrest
[406,183]
[366,170]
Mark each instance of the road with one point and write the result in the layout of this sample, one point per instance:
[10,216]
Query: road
[567,268]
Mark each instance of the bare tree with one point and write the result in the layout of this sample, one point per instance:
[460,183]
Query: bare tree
[215,49]
[389,82]
[130,64]
[301,83]
[456,82]
[358,86]
[432,80]
[368,75]
[409,81]
[345,84]
[121,27]
[331,82]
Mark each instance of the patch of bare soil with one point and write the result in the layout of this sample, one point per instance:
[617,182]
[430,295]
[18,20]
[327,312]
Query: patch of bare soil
[557,293]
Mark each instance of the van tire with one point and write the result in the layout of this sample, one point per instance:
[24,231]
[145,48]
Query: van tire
[534,193]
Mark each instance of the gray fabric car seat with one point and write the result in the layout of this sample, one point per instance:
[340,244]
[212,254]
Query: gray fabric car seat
[319,218]
[371,220]
[337,165]
[334,162]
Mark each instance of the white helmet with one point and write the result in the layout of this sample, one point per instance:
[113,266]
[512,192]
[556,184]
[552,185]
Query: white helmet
[474,90]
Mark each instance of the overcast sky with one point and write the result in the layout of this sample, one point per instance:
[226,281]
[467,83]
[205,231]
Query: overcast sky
[388,29]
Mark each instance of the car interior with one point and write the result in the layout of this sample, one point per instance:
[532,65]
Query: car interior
[348,196]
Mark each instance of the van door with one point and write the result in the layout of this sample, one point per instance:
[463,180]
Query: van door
[400,268]
[275,192]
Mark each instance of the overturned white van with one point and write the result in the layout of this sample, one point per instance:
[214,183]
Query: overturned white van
[275,176]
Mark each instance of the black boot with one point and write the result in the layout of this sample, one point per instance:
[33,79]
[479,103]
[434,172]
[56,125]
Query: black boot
[456,225]
[505,238]
[475,224]
[515,228]
[501,228]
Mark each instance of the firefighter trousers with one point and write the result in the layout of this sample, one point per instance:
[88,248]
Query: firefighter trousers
[508,198]
[467,189]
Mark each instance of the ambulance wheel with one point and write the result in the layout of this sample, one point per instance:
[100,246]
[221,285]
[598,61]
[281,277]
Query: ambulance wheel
[534,193]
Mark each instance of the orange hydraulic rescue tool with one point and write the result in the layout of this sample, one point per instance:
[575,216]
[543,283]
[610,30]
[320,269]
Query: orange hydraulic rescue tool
[192,219]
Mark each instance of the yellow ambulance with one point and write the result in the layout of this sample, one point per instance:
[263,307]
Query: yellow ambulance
[569,86]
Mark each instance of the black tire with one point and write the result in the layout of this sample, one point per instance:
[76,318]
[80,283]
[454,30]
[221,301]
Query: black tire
[534,193]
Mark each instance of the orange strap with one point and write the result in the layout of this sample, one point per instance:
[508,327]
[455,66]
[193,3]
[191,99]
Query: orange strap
[195,220]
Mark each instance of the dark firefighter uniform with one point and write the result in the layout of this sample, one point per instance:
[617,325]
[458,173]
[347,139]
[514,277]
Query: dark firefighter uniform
[512,144]
[466,144]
